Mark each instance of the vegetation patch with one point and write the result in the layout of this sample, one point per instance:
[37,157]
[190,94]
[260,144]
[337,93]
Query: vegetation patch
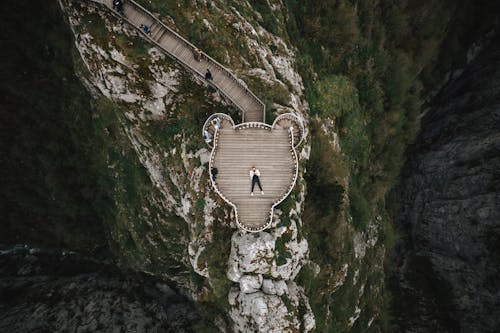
[363,68]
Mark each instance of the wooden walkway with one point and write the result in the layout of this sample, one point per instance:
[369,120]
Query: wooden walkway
[182,51]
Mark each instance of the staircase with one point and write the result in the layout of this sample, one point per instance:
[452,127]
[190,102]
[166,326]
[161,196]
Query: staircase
[178,48]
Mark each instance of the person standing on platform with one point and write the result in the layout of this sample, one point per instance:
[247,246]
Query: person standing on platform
[146,28]
[208,75]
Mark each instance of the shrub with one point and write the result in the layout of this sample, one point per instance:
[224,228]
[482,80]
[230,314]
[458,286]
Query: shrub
[335,96]
[325,192]
[359,208]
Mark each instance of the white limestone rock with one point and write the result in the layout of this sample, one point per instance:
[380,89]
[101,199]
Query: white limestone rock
[194,254]
[281,287]
[352,320]
[250,253]
[250,283]
[258,312]
[268,287]
[232,295]
[203,155]
[365,240]
[261,312]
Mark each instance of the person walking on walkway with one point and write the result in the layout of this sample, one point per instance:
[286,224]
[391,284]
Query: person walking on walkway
[208,75]
[255,177]
[118,6]
[146,28]
[216,123]
[197,54]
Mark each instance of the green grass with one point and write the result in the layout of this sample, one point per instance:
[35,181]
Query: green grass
[335,96]
[325,193]
[269,21]
[281,252]
[360,68]
[94,24]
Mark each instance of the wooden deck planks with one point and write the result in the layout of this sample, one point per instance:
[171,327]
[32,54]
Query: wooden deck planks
[270,152]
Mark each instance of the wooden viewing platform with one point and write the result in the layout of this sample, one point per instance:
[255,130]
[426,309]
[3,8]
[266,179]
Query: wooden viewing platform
[182,51]
[235,148]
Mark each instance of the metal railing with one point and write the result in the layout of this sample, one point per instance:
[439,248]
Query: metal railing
[296,120]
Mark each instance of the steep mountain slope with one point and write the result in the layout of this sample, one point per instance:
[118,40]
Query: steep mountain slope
[161,108]
[49,164]
[448,257]
[102,150]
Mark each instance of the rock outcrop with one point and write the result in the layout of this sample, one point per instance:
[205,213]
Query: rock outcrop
[64,292]
[447,262]
[268,299]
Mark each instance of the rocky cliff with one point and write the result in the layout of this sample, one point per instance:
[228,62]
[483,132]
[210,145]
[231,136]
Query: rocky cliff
[131,178]
[102,153]
[447,262]
[53,291]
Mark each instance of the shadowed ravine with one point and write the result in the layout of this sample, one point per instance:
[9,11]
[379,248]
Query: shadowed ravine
[448,258]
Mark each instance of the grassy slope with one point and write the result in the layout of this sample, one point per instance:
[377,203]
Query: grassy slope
[366,66]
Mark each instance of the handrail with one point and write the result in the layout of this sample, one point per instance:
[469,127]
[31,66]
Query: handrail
[295,119]
[209,59]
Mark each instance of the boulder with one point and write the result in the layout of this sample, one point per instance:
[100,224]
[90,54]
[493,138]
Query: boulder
[250,283]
